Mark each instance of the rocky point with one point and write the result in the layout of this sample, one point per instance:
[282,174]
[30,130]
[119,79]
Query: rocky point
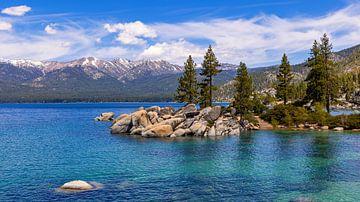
[187,121]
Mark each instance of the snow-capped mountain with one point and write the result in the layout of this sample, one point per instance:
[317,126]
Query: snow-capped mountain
[121,69]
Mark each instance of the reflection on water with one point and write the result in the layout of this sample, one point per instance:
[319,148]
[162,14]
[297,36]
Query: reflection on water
[43,147]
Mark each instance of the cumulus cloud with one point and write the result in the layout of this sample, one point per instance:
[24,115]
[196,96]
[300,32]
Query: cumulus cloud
[263,39]
[50,29]
[16,10]
[174,51]
[5,26]
[133,33]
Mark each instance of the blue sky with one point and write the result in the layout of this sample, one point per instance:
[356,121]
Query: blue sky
[256,32]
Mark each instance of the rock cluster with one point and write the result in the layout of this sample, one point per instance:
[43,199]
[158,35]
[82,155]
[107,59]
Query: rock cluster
[314,127]
[187,121]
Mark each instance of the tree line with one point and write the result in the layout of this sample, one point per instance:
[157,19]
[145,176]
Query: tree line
[321,86]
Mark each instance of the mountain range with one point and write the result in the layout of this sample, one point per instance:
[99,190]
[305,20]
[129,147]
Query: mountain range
[92,79]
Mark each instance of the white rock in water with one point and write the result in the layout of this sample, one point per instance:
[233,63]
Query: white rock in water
[338,129]
[77,185]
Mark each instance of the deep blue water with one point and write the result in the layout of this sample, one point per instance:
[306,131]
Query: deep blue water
[45,145]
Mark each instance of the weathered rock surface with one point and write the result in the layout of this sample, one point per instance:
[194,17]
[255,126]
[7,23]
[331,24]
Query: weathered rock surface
[338,129]
[122,125]
[213,113]
[106,116]
[187,121]
[158,131]
[77,185]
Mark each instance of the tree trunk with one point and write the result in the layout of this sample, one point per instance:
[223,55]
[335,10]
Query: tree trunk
[328,104]
[210,92]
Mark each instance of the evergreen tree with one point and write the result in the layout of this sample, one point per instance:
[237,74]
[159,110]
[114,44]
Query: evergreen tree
[315,84]
[284,78]
[330,79]
[187,89]
[244,89]
[209,70]
[322,83]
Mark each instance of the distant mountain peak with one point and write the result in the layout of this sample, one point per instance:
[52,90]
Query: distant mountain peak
[22,62]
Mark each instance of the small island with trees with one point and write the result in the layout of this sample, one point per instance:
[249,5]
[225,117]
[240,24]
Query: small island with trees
[248,109]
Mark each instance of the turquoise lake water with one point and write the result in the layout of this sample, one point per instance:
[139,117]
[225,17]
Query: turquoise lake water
[45,145]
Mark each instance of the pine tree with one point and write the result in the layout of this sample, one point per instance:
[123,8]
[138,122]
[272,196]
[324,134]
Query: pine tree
[187,90]
[315,86]
[322,82]
[209,70]
[330,80]
[284,78]
[244,89]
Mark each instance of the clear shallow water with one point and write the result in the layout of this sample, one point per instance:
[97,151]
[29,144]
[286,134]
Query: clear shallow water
[45,145]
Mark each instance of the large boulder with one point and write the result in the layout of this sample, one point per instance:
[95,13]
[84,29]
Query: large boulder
[159,131]
[174,122]
[77,185]
[123,125]
[211,132]
[106,116]
[137,131]
[153,109]
[140,118]
[181,132]
[119,118]
[192,114]
[204,111]
[198,128]
[212,114]
[187,109]
[166,111]
[153,116]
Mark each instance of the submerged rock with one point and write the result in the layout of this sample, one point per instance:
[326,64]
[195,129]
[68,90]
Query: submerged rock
[77,185]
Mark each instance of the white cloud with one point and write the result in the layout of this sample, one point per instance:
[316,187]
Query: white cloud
[16,10]
[263,39]
[257,41]
[111,52]
[133,33]
[67,44]
[50,29]
[175,51]
[5,26]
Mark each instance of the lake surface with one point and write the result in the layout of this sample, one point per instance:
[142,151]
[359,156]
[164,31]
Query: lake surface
[45,145]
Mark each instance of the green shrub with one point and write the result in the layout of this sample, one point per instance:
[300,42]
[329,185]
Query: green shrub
[286,115]
[347,121]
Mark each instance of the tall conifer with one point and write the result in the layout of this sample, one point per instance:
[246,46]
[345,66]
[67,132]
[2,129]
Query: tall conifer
[187,90]
[322,83]
[244,89]
[284,78]
[209,70]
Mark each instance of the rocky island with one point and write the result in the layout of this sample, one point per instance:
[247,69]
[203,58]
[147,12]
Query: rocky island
[187,121]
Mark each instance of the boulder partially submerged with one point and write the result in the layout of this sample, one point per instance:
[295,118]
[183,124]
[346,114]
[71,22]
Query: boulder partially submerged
[106,116]
[77,185]
[187,121]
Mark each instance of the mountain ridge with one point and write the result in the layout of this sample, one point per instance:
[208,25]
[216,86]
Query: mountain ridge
[92,79]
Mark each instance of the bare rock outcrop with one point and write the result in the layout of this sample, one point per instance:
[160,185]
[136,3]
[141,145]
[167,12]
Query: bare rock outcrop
[187,121]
